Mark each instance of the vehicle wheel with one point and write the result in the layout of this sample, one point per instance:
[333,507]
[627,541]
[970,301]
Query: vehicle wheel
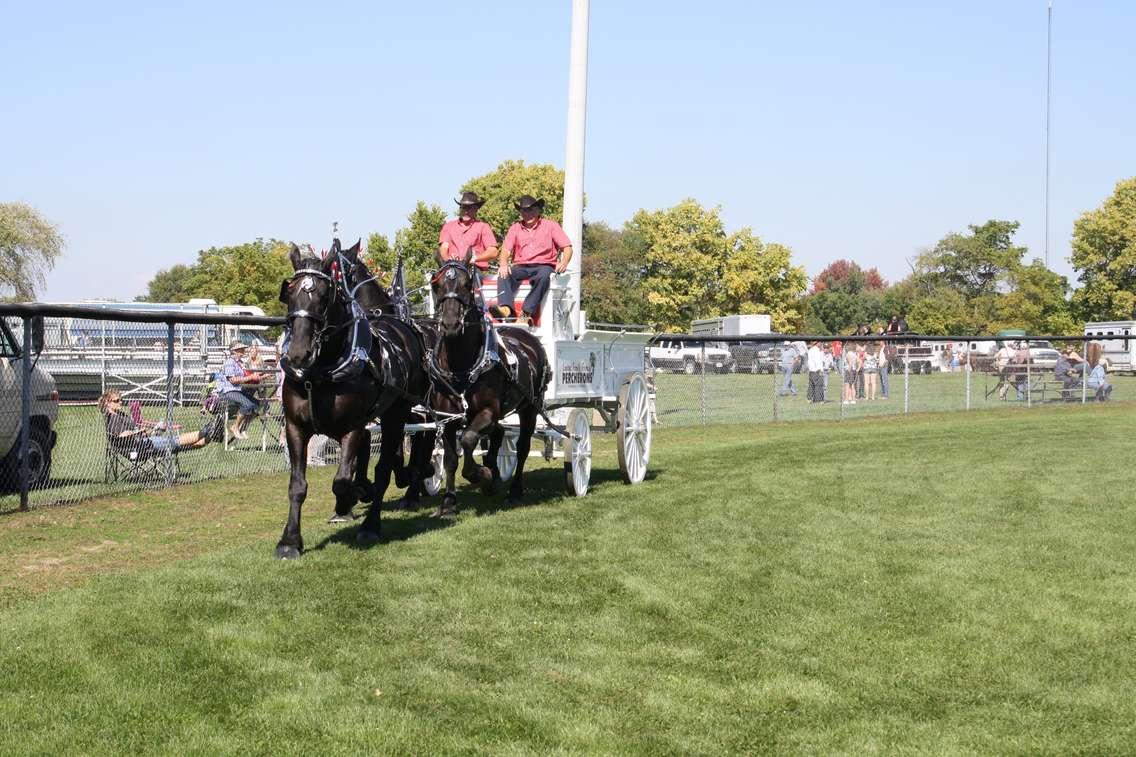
[433,484]
[578,452]
[633,429]
[507,455]
[39,460]
[689,367]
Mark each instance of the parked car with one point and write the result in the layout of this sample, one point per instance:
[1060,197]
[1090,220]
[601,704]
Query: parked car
[43,411]
[687,357]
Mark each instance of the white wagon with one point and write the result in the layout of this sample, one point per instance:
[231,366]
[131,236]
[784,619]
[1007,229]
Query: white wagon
[599,383]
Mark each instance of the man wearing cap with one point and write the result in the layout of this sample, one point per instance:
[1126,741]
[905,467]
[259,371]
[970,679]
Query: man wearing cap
[537,247]
[466,233]
[229,381]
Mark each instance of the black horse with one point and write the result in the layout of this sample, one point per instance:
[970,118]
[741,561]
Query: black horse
[340,372]
[490,390]
[378,303]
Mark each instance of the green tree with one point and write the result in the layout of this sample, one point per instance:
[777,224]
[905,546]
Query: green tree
[683,248]
[612,276]
[1104,257]
[838,312]
[941,311]
[379,256]
[418,242]
[169,285]
[759,278]
[1037,302]
[501,187]
[246,274]
[973,264]
[30,245]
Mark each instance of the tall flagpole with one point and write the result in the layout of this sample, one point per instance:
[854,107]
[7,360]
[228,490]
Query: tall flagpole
[574,148]
[1048,88]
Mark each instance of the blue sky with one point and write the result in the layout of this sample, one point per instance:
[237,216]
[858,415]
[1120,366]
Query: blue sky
[845,130]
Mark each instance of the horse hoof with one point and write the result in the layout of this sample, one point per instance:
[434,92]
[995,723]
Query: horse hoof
[364,493]
[401,478]
[489,486]
[287,552]
[406,504]
[367,537]
[513,500]
[346,517]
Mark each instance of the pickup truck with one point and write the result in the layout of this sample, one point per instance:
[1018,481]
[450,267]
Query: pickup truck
[687,357]
[43,412]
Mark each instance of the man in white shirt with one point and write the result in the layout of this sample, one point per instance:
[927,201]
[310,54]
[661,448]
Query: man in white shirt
[814,357]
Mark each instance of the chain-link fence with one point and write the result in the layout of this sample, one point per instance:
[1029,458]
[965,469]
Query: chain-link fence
[116,400]
[119,405]
[706,381]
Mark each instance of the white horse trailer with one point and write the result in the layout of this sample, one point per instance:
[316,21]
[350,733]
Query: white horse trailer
[1118,340]
[599,383]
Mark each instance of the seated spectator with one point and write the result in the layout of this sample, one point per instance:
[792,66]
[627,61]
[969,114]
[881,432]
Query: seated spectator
[1097,382]
[1066,371]
[128,434]
[230,381]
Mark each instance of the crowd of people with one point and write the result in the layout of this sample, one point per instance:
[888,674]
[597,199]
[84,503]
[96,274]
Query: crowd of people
[863,368]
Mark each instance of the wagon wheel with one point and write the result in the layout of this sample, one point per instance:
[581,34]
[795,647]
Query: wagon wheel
[633,429]
[578,452]
[507,455]
[433,484]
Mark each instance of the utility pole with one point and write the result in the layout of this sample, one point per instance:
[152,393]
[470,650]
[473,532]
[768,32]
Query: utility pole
[574,148]
[1048,88]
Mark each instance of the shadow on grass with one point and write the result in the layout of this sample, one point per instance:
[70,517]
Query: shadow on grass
[541,487]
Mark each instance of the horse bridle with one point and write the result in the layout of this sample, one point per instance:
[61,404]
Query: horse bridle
[449,271]
[322,328]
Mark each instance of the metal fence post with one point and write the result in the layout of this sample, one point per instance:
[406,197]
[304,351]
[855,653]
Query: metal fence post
[1029,380]
[1085,379]
[103,357]
[967,371]
[169,400]
[704,383]
[25,413]
[907,379]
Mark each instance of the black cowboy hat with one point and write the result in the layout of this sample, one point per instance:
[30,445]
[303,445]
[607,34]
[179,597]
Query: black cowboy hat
[528,202]
[470,198]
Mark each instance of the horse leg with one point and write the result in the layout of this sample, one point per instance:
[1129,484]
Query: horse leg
[421,452]
[390,452]
[527,418]
[478,425]
[343,486]
[449,504]
[496,436]
[291,544]
[362,462]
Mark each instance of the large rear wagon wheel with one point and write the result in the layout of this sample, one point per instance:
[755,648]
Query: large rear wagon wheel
[633,429]
[578,452]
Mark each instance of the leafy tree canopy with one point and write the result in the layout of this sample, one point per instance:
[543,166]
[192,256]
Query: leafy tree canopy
[30,245]
[501,187]
[245,274]
[847,276]
[612,276]
[973,264]
[1104,257]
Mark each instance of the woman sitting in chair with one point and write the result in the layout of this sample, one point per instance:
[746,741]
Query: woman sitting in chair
[121,427]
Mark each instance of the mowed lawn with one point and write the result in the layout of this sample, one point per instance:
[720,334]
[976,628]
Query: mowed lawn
[932,583]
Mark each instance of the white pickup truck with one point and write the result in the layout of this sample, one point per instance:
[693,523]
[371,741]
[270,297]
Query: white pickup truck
[43,411]
[687,357]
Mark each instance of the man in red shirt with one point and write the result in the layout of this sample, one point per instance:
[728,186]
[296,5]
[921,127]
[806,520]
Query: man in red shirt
[466,232]
[538,247]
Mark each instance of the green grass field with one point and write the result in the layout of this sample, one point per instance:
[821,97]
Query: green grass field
[935,583]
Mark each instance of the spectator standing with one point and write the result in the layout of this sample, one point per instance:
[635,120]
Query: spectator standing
[851,370]
[861,356]
[828,363]
[814,357]
[871,369]
[882,369]
[1003,363]
[788,365]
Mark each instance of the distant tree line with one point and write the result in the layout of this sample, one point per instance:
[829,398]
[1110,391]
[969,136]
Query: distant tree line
[667,267]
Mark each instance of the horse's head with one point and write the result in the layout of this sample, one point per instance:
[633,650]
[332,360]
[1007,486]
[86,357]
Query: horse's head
[362,285]
[315,307]
[454,297]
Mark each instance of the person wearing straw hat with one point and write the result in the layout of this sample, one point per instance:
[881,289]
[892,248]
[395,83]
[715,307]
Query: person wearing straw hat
[466,233]
[534,248]
[229,381]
